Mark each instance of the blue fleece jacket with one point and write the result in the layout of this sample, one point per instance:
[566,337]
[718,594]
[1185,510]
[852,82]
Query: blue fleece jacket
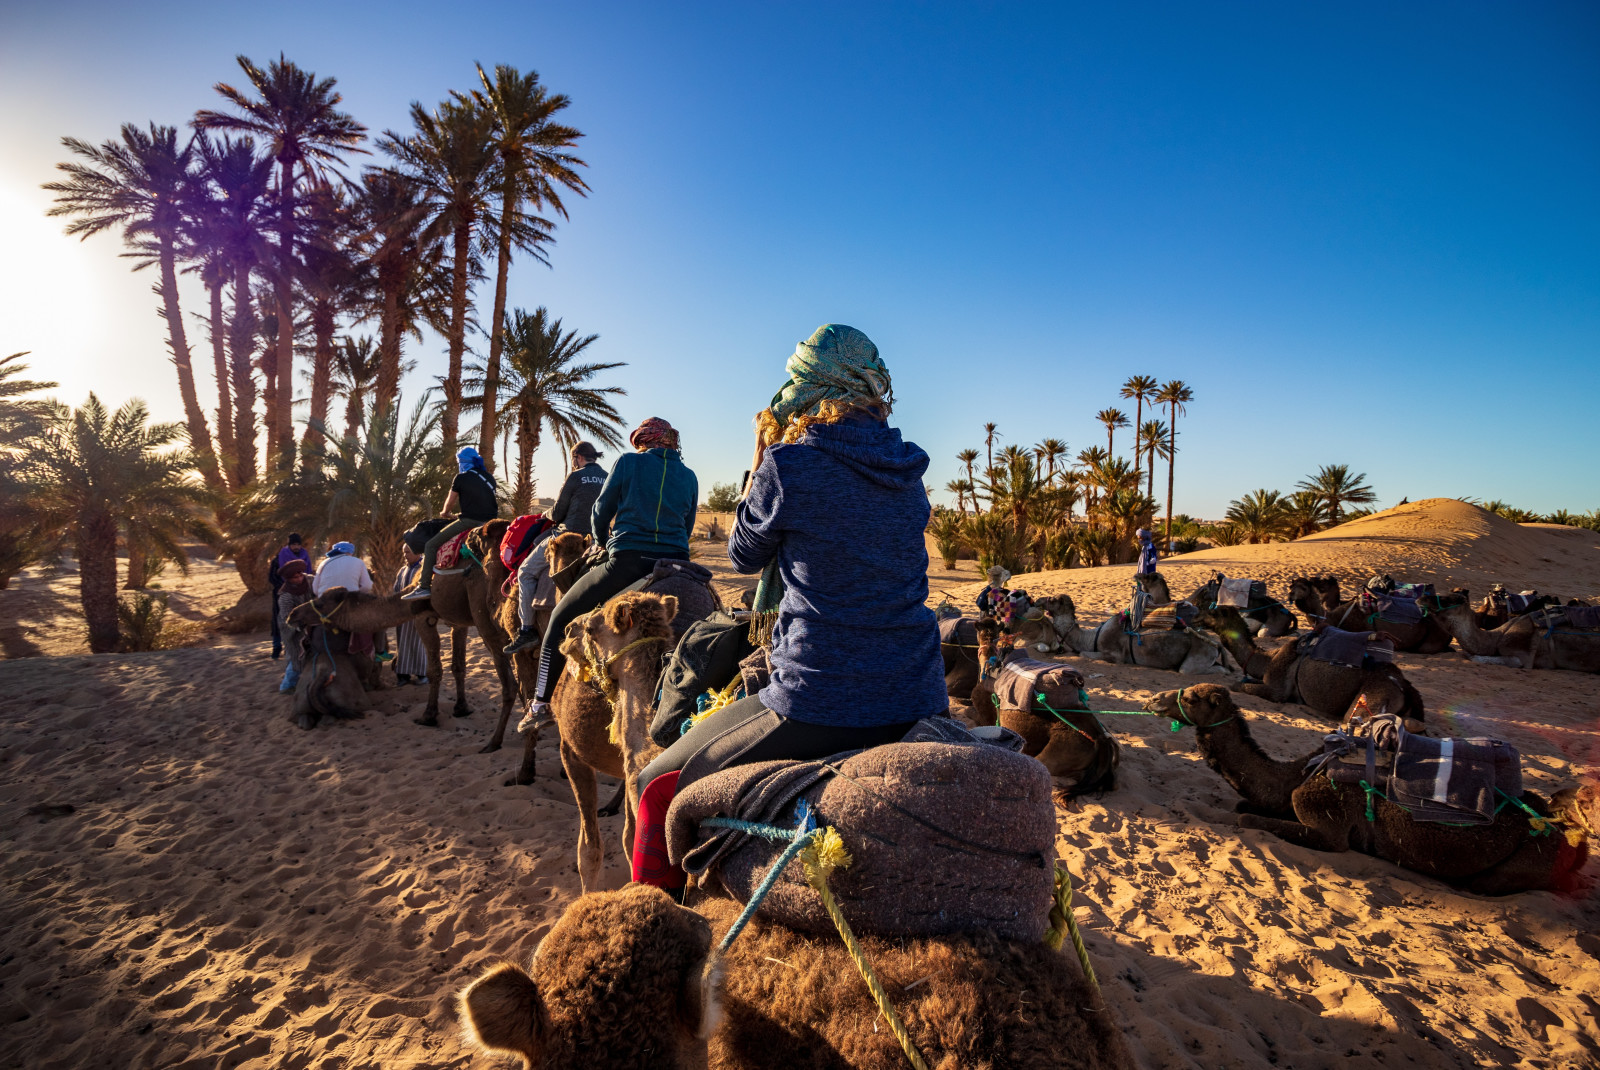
[843,510]
[647,504]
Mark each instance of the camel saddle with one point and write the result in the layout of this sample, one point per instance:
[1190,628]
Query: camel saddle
[1450,780]
[1025,683]
[1170,616]
[1347,648]
[1391,606]
[1569,618]
[1237,591]
[958,631]
[944,837]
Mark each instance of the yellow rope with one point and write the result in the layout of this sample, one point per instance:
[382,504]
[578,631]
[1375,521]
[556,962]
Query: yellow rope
[719,699]
[1063,923]
[598,672]
[825,854]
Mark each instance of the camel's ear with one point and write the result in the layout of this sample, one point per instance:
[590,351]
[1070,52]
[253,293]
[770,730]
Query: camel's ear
[669,604]
[502,1011]
[700,1001]
[619,615]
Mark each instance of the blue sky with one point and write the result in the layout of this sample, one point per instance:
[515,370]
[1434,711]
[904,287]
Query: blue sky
[1363,235]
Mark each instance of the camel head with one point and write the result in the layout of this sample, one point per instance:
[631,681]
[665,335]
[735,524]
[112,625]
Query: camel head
[1154,584]
[1227,622]
[1302,594]
[562,552]
[1063,613]
[624,979]
[1327,588]
[1198,705]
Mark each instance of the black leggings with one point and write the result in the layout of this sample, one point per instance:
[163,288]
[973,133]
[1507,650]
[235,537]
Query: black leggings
[746,731]
[616,573]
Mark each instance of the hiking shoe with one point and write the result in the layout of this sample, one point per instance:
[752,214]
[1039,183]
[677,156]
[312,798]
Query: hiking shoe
[538,716]
[416,595]
[526,637]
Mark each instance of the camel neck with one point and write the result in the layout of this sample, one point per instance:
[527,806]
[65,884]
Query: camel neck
[1260,779]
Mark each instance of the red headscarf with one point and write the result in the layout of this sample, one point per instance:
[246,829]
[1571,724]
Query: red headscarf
[294,576]
[654,433]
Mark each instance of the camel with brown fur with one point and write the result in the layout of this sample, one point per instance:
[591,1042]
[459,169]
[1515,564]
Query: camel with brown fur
[1316,813]
[1180,649]
[1077,750]
[1540,639]
[1265,615]
[1287,675]
[629,980]
[1318,598]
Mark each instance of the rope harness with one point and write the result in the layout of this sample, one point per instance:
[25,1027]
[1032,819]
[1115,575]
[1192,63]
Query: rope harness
[597,671]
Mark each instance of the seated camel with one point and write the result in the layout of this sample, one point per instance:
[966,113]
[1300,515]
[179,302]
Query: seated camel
[1075,747]
[629,979]
[1314,812]
[1318,598]
[1265,615]
[332,682]
[1547,638]
[958,647]
[1184,650]
[1288,674]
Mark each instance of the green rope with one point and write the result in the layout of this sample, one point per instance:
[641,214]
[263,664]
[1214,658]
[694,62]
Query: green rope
[799,839]
[1041,700]
[1539,824]
[1371,791]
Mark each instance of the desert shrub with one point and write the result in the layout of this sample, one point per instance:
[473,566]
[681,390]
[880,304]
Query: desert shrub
[994,539]
[724,498]
[1186,545]
[1224,534]
[141,617]
[1094,546]
[945,527]
[1059,549]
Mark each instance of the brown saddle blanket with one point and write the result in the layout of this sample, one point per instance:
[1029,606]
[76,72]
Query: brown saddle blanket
[943,837]
[1024,681]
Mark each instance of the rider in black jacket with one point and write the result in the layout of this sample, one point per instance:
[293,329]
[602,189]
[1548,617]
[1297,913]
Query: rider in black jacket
[580,490]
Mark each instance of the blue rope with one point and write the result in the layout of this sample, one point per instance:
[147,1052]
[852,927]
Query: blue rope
[799,838]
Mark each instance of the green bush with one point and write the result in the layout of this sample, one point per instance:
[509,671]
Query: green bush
[141,616]
[724,498]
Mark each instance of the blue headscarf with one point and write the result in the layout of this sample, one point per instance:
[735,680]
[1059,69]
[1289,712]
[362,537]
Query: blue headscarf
[469,460]
[340,548]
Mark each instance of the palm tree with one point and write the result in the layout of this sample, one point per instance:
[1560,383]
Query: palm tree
[1049,453]
[228,218]
[532,155]
[298,116]
[1089,459]
[140,184]
[1112,419]
[22,421]
[353,376]
[404,253]
[990,433]
[1303,513]
[1153,433]
[1139,388]
[451,156]
[335,282]
[1174,394]
[106,470]
[1334,484]
[960,488]
[969,457]
[1258,515]
[542,385]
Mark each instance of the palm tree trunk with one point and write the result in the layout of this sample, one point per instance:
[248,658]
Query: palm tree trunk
[321,374]
[241,344]
[527,443]
[219,356]
[1138,436]
[352,414]
[138,573]
[267,316]
[386,391]
[509,197]
[1150,476]
[96,542]
[199,432]
[458,330]
[1172,458]
[283,289]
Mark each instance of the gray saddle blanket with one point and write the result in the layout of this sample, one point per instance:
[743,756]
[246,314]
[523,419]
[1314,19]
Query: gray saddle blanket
[1566,618]
[1238,591]
[1347,648]
[1522,602]
[958,631]
[687,581]
[1452,780]
[1394,607]
[1024,681]
[944,837]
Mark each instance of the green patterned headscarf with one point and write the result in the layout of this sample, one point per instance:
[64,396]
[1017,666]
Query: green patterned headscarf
[837,363]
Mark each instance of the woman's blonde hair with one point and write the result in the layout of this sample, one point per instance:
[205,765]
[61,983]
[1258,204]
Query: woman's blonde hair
[828,412]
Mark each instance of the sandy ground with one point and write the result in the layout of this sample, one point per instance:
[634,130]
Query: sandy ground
[228,890]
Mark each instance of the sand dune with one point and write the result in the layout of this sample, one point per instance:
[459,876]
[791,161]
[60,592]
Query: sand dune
[229,891]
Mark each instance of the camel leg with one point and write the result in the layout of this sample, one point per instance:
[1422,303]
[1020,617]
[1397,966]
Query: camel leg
[591,850]
[525,771]
[429,634]
[489,631]
[1256,691]
[458,669]
[1293,832]
[1202,661]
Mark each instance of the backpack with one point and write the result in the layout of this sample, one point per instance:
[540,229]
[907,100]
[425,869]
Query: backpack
[705,659]
[521,537]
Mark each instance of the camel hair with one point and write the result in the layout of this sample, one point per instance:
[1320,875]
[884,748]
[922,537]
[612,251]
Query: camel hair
[1265,615]
[460,601]
[332,683]
[1538,640]
[628,980]
[1077,750]
[1183,650]
[1318,598]
[1287,675]
[1316,813]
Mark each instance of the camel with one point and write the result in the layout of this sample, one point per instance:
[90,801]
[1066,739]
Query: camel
[1181,649]
[1077,750]
[1540,639]
[1265,614]
[332,683]
[619,648]
[628,980]
[460,600]
[961,665]
[1287,675]
[1318,598]
[1316,813]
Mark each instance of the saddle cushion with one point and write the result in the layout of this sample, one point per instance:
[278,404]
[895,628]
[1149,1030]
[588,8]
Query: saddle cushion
[1023,680]
[1171,616]
[1236,592]
[450,552]
[1525,602]
[1395,608]
[1450,780]
[1347,648]
[943,837]
[1571,618]
[958,631]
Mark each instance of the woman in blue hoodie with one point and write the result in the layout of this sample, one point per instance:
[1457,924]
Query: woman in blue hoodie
[644,514]
[833,519]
